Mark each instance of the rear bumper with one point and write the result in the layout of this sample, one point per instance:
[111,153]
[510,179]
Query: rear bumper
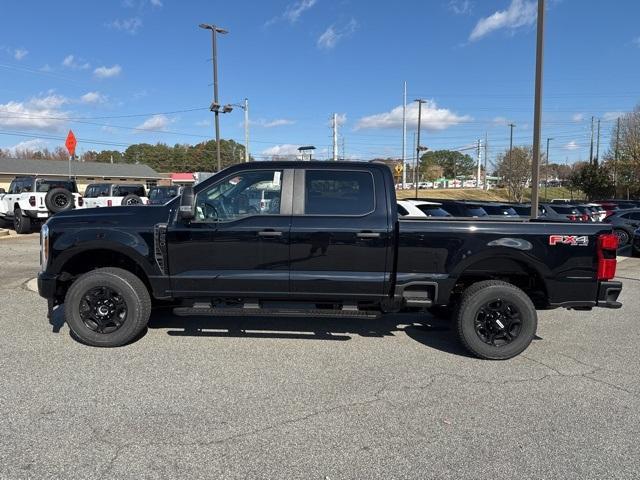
[36,214]
[608,293]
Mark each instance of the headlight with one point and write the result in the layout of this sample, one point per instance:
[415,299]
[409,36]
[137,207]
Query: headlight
[44,246]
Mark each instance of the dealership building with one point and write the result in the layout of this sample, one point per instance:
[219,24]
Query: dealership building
[83,172]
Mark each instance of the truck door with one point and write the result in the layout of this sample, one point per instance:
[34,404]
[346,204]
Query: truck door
[238,244]
[340,235]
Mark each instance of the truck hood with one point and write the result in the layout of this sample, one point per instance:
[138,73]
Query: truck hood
[123,216]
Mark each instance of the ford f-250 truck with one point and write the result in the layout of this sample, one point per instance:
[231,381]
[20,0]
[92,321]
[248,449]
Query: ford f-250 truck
[329,238]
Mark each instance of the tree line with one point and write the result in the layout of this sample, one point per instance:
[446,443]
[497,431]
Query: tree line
[161,157]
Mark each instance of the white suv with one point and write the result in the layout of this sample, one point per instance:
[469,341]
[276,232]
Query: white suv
[34,199]
[114,194]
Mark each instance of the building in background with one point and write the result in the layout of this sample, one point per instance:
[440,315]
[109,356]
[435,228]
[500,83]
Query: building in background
[83,172]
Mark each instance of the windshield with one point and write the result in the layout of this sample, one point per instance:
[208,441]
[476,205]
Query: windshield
[158,193]
[433,211]
[566,210]
[499,210]
[476,212]
[46,185]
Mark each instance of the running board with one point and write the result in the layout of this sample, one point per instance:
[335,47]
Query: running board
[272,312]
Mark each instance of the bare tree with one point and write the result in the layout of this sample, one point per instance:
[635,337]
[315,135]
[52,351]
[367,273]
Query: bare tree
[515,170]
[623,156]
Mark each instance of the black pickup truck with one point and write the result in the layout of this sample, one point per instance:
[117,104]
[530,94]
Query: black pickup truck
[317,238]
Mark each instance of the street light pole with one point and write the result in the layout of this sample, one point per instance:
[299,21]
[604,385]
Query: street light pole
[546,172]
[418,148]
[537,112]
[511,125]
[246,129]
[215,106]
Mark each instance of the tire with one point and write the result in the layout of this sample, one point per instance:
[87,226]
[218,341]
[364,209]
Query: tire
[58,200]
[21,223]
[131,292]
[476,301]
[131,199]
[623,236]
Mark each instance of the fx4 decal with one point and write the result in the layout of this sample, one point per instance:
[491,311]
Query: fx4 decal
[573,240]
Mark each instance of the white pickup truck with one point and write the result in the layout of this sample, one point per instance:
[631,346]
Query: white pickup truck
[34,199]
[114,194]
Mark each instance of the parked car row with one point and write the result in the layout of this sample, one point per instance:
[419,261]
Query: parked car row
[557,211]
[31,200]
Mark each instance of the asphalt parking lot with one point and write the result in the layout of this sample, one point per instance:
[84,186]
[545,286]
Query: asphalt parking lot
[306,398]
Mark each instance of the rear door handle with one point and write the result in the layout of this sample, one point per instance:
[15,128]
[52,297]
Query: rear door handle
[269,233]
[368,235]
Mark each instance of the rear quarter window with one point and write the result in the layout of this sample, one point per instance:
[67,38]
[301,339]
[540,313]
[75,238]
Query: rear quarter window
[338,192]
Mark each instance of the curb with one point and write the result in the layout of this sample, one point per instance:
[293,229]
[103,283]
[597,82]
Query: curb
[4,232]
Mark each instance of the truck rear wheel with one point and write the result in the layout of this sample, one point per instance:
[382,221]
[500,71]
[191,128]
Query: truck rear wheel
[495,320]
[107,307]
[21,223]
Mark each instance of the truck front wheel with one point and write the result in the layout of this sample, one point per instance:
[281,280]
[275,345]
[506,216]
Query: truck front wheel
[495,320]
[107,307]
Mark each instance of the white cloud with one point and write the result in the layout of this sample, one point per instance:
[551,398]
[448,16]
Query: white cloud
[460,7]
[70,61]
[282,150]
[129,25]
[155,122]
[107,72]
[279,122]
[156,3]
[611,116]
[51,101]
[333,34]
[33,144]
[636,42]
[500,121]
[292,12]
[577,117]
[572,145]
[20,53]
[433,118]
[93,98]
[520,13]
[41,113]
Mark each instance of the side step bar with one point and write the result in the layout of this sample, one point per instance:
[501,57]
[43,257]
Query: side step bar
[272,312]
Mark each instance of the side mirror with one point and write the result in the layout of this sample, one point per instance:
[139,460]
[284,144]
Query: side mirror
[187,209]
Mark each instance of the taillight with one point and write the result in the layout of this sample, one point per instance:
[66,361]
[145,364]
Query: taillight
[607,246]
[586,218]
[32,201]
[109,203]
[80,201]
[572,218]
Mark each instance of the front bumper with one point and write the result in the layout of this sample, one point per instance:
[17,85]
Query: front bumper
[608,293]
[47,285]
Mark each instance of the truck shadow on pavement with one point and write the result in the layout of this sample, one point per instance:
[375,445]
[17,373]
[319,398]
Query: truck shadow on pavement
[430,331]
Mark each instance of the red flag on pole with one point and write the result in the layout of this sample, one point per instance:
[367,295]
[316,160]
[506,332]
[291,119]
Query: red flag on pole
[71,143]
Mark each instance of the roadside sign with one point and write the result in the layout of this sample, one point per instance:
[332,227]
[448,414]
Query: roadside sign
[71,143]
[398,168]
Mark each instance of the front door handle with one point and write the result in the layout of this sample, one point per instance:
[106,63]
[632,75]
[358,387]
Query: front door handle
[269,233]
[368,234]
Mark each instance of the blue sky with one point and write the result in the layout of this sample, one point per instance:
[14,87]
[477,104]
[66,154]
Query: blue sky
[128,71]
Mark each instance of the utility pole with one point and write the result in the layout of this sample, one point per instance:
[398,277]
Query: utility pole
[343,154]
[486,155]
[510,166]
[615,160]
[246,129]
[478,173]
[404,137]
[335,137]
[546,172]
[537,112]
[597,159]
[418,147]
[591,148]
[215,106]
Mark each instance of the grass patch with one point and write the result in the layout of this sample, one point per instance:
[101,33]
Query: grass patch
[495,194]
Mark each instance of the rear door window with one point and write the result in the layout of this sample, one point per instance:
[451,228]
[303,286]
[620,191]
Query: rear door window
[338,192]
[433,211]
[124,190]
